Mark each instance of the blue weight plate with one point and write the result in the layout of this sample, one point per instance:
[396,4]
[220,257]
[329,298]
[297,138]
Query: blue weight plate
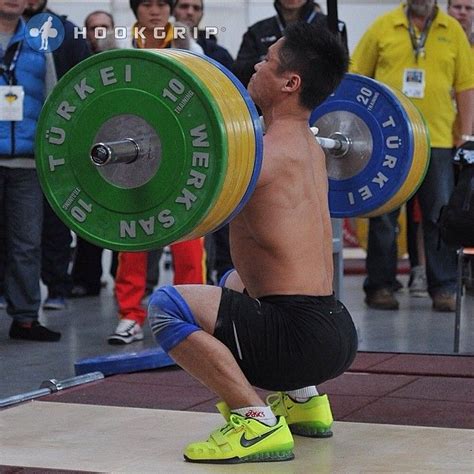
[392,152]
[257,126]
[125,362]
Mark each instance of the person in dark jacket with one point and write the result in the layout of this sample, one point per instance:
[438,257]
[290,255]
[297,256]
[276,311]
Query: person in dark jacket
[260,36]
[56,238]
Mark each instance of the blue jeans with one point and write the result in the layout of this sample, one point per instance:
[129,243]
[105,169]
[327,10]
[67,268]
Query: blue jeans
[22,200]
[441,266]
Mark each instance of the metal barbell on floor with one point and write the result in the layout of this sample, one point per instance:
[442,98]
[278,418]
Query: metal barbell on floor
[137,149]
[50,386]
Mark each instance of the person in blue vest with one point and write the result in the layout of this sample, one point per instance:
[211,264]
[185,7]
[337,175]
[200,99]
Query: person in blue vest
[26,77]
[56,237]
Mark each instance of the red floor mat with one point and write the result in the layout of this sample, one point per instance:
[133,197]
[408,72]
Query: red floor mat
[407,389]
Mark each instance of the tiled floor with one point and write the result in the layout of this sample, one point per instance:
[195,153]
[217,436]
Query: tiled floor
[110,439]
[436,391]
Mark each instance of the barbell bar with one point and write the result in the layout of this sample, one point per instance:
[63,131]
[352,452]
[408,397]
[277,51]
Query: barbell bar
[137,149]
[127,150]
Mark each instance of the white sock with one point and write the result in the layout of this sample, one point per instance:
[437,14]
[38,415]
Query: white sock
[303,394]
[262,414]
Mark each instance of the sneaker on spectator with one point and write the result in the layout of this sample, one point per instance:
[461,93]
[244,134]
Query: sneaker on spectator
[126,332]
[381,299]
[55,303]
[3,302]
[444,302]
[417,284]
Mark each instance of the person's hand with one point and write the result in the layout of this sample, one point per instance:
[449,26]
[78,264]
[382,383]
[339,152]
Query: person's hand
[462,139]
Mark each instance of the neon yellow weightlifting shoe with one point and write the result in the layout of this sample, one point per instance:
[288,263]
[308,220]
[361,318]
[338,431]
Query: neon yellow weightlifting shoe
[312,418]
[244,440]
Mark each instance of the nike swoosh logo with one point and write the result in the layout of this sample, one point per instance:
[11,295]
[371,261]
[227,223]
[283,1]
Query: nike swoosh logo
[246,443]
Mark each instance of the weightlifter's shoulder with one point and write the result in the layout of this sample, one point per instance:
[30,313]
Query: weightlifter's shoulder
[272,158]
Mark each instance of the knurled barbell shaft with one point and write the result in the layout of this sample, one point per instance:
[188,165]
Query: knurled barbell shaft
[108,153]
[127,150]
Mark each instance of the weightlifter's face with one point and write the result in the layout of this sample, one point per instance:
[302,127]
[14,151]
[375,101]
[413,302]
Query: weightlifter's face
[267,80]
[12,9]
[153,13]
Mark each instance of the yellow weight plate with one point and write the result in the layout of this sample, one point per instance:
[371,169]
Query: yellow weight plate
[238,181]
[240,135]
[204,226]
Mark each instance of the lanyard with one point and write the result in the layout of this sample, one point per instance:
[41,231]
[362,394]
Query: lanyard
[7,69]
[418,44]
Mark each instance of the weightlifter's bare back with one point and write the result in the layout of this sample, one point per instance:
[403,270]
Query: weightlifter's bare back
[281,243]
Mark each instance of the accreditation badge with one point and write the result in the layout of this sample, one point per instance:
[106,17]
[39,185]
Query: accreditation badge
[414,83]
[11,103]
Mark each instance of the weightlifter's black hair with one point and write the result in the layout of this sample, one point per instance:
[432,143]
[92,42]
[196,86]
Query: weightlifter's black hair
[318,56]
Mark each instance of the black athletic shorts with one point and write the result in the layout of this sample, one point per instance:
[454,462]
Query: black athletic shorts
[289,341]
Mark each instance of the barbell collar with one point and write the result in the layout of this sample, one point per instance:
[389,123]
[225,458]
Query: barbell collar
[337,143]
[109,153]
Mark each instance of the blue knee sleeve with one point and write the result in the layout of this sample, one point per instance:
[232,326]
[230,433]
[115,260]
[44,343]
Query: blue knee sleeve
[224,277]
[170,318]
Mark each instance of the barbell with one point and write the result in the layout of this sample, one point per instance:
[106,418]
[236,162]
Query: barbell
[137,149]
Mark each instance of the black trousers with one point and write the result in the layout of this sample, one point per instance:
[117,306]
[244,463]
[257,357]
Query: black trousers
[55,254]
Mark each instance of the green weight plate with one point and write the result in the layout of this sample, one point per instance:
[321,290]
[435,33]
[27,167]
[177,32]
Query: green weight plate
[169,112]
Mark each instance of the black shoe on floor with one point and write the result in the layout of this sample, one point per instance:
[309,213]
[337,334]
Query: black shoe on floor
[35,332]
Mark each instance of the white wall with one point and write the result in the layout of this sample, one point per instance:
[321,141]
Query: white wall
[232,17]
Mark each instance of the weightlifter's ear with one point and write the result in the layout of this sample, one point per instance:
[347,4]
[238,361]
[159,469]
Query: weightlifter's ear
[293,82]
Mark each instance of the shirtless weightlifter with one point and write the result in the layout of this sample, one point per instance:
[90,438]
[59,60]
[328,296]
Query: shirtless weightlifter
[274,322]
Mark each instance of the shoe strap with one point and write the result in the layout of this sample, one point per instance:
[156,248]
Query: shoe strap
[235,423]
[224,410]
[277,403]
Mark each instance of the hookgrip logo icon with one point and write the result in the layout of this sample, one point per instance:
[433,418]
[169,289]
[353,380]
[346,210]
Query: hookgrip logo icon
[44,32]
